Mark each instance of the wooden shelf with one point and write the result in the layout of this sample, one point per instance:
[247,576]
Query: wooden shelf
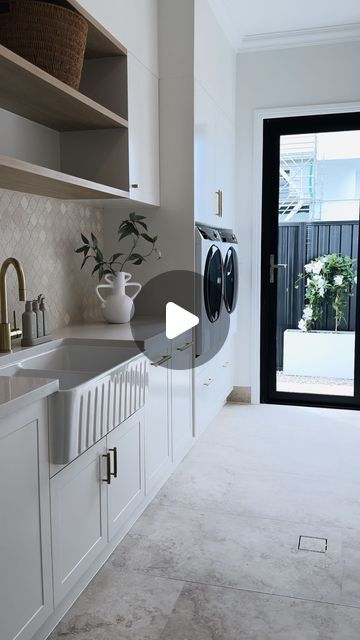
[18,175]
[34,94]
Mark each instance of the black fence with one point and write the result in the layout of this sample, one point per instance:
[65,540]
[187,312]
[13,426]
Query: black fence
[298,244]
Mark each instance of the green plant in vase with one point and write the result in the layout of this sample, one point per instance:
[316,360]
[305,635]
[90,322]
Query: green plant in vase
[134,229]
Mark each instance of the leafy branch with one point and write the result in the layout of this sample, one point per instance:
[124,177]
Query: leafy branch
[136,230]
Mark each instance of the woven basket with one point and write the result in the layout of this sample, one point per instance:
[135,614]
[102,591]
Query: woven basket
[51,37]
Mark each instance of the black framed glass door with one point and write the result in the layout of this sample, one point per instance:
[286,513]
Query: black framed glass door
[310,351]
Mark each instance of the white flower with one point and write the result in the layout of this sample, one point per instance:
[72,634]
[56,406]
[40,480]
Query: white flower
[338,280]
[307,313]
[324,259]
[319,281]
[302,325]
[315,267]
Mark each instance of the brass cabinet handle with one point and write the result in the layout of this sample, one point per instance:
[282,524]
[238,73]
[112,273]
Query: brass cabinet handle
[108,467]
[209,382]
[114,473]
[161,361]
[185,346]
[219,194]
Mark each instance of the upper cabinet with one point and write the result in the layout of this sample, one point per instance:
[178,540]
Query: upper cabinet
[215,84]
[143,133]
[90,152]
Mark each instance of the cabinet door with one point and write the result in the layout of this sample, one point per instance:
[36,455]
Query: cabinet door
[181,395]
[78,517]
[205,140]
[143,133]
[26,598]
[126,491]
[157,418]
[225,166]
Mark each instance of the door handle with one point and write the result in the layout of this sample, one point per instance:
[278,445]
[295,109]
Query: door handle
[114,473]
[274,266]
[185,346]
[161,361]
[108,468]
[219,194]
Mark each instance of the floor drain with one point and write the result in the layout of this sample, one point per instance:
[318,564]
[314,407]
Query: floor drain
[313,544]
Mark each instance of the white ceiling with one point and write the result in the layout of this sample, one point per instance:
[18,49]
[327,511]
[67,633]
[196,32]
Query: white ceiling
[254,24]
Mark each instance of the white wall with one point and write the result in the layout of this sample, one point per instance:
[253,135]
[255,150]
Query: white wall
[292,77]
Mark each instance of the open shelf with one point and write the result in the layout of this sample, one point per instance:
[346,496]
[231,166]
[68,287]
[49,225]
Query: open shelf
[18,175]
[34,94]
[100,42]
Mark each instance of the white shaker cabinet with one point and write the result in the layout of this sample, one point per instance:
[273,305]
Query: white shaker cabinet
[125,445]
[144,158]
[225,167]
[157,416]
[26,598]
[181,396]
[205,141]
[78,517]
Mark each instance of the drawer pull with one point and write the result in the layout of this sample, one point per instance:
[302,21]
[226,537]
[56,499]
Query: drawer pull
[208,382]
[108,468]
[185,346]
[161,361]
[114,473]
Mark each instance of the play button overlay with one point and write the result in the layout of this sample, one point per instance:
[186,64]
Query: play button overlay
[173,320]
[178,320]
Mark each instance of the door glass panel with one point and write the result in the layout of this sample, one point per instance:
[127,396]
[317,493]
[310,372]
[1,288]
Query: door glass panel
[213,282]
[319,192]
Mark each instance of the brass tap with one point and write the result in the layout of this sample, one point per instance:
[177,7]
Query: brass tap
[6,333]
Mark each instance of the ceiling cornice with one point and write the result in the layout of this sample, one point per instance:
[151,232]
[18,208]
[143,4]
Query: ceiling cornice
[300,38]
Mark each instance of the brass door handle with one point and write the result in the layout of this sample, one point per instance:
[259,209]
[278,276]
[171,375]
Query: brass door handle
[187,345]
[209,382]
[219,194]
[162,360]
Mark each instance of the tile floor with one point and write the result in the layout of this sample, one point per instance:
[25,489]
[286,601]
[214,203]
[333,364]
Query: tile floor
[216,557]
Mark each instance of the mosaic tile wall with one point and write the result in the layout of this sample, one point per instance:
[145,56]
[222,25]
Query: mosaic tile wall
[43,233]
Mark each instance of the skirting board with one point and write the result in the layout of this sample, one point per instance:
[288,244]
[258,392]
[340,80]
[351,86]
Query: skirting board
[241,395]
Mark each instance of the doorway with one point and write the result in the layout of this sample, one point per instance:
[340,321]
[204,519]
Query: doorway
[309,273]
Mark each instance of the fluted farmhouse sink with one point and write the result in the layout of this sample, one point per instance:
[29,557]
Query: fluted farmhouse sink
[99,387]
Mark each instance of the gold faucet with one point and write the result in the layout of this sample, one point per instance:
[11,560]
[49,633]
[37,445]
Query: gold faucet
[6,333]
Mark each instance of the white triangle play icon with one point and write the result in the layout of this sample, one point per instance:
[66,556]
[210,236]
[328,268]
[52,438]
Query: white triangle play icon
[178,320]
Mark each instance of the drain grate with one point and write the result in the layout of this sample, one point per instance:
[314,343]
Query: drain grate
[313,544]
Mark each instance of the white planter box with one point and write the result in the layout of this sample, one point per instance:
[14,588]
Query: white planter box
[319,353]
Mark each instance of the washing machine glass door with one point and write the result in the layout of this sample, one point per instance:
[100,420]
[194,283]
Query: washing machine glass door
[213,283]
[230,280]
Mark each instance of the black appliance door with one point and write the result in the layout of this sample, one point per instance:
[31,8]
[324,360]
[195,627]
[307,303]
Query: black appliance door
[213,283]
[230,280]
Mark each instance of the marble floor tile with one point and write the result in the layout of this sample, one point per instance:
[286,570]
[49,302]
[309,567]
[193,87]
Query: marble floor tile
[228,550]
[215,485]
[118,606]
[212,613]
[297,440]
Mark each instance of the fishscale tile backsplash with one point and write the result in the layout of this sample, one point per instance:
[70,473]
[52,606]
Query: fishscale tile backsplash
[43,233]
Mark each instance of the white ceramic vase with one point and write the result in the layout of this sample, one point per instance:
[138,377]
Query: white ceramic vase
[118,307]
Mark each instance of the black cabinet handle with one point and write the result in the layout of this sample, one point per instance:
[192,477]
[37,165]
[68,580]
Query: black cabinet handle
[114,473]
[108,468]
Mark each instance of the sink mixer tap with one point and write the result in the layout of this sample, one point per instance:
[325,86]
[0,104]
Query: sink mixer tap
[6,333]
